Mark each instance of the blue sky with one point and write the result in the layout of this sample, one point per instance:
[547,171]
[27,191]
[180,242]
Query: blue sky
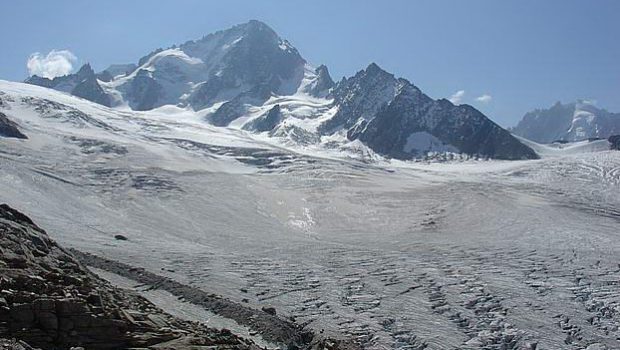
[523,54]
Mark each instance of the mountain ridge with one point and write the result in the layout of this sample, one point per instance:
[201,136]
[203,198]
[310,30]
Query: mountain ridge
[236,76]
[574,121]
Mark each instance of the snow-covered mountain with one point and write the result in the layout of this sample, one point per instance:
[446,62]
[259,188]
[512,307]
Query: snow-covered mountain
[395,118]
[249,78]
[568,122]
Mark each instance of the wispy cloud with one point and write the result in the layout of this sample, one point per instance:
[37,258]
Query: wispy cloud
[457,97]
[485,98]
[56,63]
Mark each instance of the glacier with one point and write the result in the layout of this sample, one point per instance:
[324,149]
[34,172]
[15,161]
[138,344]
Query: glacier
[469,254]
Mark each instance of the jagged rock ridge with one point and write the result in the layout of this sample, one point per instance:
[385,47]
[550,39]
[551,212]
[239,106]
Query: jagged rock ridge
[83,84]
[388,114]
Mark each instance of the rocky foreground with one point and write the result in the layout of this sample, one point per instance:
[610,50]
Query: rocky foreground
[49,300]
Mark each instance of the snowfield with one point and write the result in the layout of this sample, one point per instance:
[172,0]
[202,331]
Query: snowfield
[410,255]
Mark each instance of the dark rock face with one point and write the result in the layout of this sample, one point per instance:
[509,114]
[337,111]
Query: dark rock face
[207,93]
[90,89]
[383,112]
[49,300]
[237,107]
[8,128]
[105,76]
[82,84]
[359,98]
[254,55]
[568,122]
[615,142]
[144,91]
[265,122]
[270,310]
[323,84]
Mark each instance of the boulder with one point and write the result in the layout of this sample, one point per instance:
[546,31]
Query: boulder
[269,309]
[8,128]
[615,142]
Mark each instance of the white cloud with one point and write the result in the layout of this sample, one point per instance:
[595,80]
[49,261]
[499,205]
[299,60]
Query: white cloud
[55,64]
[485,98]
[457,97]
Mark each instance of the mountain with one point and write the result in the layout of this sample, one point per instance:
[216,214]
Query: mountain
[83,84]
[247,77]
[249,59]
[394,117]
[568,122]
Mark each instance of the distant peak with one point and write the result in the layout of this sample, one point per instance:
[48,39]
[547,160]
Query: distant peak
[323,72]
[321,68]
[373,67]
[257,24]
[85,70]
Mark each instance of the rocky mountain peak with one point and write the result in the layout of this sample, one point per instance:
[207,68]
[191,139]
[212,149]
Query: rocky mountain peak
[374,71]
[85,71]
[256,27]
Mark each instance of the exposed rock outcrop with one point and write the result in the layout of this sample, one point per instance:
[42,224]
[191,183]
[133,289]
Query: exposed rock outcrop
[323,84]
[8,128]
[265,122]
[615,142]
